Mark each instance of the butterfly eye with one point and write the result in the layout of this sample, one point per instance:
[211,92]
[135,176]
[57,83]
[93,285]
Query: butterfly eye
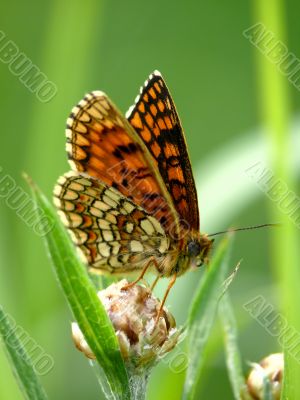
[193,248]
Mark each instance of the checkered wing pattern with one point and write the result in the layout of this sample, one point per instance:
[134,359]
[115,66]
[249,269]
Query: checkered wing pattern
[113,234]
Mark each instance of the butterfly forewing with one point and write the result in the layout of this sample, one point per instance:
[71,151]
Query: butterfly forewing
[155,119]
[102,144]
[113,234]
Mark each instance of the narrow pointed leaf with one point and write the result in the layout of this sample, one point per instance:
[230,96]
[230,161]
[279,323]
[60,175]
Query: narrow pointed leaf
[233,357]
[202,315]
[83,300]
[21,363]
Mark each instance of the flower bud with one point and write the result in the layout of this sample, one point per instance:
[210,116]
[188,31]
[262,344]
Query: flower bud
[271,368]
[133,312]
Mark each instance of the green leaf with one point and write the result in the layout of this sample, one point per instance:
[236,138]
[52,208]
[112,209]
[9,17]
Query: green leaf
[201,317]
[84,302]
[21,363]
[233,357]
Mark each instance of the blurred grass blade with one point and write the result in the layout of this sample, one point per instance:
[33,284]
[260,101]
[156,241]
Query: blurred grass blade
[233,357]
[202,314]
[84,302]
[276,109]
[20,361]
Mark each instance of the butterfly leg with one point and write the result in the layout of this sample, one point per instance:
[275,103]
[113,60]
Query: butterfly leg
[152,260]
[154,283]
[171,283]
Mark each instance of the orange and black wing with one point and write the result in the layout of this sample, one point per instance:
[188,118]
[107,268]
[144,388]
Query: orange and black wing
[155,119]
[102,144]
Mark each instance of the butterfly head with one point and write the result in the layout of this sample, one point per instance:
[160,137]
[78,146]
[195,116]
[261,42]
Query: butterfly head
[198,250]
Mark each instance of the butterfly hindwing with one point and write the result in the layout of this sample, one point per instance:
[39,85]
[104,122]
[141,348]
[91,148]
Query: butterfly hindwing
[113,234]
[155,119]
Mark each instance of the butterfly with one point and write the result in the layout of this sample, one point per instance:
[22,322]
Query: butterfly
[130,201]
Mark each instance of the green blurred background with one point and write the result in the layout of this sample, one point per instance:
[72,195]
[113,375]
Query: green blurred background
[217,80]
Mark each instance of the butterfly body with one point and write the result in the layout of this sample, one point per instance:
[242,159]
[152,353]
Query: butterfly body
[130,201]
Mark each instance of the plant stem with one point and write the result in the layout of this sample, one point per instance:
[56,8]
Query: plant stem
[138,385]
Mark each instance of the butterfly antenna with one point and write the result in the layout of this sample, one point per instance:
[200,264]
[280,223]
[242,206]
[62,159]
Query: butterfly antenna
[248,228]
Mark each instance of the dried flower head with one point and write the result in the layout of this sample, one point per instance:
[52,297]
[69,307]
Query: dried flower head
[270,367]
[133,313]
